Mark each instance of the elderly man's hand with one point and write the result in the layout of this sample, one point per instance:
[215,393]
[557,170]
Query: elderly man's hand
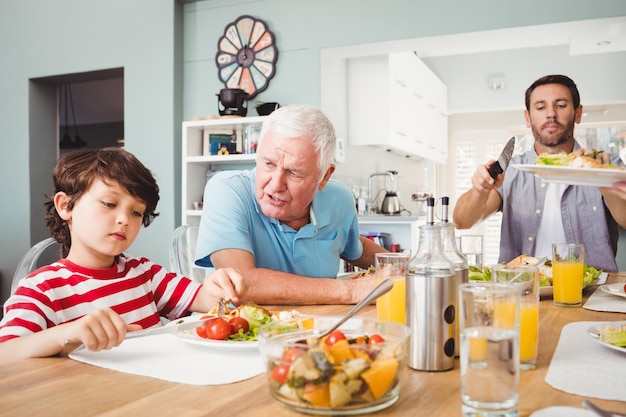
[362,287]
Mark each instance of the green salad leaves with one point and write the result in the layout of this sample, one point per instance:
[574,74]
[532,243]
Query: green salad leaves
[590,274]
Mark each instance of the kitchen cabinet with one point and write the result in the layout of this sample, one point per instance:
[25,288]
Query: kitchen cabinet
[197,162]
[397,103]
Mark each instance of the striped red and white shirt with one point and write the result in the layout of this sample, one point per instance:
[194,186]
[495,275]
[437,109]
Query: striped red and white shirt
[137,289]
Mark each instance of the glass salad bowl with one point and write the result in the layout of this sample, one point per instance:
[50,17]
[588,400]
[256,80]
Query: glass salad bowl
[356,369]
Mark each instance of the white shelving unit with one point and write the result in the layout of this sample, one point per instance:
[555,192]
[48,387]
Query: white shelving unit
[402,229]
[195,163]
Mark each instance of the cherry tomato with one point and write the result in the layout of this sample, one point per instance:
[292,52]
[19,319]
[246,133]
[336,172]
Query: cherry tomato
[217,329]
[237,323]
[201,331]
[334,337]
[279,373]
[292,354]
[376,339]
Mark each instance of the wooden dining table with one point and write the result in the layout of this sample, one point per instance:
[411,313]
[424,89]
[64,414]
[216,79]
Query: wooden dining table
[62,386]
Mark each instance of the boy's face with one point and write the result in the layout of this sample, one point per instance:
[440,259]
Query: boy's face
[103,223]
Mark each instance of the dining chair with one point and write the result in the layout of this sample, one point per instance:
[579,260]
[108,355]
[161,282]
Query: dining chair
[183,250]
[42,253]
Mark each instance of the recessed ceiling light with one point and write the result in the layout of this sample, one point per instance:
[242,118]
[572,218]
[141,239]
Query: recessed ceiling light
[604,43]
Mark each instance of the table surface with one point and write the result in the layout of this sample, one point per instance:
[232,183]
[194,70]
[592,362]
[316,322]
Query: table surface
[38,386]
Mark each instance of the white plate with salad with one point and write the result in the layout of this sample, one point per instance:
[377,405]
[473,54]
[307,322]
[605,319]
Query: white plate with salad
[598,177]
[610,334]
[190,336]
[237,328]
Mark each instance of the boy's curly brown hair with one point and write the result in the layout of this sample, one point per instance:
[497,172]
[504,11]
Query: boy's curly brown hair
[75,172]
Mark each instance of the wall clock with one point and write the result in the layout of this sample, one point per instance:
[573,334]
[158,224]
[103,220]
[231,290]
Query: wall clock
[246,55]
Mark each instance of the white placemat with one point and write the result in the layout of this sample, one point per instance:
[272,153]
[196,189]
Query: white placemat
[601,301]
[562,411]
[584,367]
[169,358]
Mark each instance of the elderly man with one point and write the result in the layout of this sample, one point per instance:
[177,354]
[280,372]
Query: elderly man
[285,224]
[536,214]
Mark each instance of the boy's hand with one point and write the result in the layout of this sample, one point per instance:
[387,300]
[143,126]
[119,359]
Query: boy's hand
[100,329]
[225,283]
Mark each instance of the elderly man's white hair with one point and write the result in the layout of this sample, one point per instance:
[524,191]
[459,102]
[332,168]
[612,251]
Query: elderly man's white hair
[301,121]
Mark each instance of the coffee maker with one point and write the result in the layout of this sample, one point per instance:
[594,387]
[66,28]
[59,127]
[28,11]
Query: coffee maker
[232,102]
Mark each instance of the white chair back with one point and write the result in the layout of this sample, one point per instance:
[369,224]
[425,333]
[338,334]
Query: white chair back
[182,252]
[43,253]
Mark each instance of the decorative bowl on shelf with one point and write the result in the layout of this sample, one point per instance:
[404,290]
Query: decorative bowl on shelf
[353,373]
[264,109]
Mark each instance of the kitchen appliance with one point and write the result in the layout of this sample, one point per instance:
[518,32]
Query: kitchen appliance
[232,102]
[431,301]
[502,163]
[391,203]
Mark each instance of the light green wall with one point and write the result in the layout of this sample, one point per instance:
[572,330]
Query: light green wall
[40,38]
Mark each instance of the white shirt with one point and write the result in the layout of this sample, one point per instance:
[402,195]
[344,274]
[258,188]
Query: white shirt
[551,225]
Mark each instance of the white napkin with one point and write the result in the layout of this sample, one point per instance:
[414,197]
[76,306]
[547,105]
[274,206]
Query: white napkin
[584,367]
[601,301]
[563,411]
[169,358]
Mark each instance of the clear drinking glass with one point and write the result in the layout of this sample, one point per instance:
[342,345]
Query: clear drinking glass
[526,279]
[489,316]
[472,247]
[392,265]
[567,274]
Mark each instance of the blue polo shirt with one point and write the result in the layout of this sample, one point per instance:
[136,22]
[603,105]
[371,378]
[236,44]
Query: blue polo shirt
[232,219]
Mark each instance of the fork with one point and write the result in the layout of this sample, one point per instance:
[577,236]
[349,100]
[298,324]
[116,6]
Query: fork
[221,307]
[599,411]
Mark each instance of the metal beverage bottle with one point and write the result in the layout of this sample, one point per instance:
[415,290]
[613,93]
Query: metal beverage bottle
[459,261]
[431,301]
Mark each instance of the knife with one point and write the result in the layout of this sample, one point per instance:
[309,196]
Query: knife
[172,327]
[502,163]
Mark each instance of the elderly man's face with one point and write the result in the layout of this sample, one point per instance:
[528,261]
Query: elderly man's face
[287,178]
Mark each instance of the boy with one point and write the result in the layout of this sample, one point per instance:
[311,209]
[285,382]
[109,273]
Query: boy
[97,293]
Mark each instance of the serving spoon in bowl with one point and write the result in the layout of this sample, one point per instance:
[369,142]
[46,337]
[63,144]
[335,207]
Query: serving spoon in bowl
[381,289]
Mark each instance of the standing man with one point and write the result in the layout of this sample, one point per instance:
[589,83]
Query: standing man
[285,224]
[536,214]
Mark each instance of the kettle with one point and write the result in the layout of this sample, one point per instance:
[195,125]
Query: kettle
[391,204]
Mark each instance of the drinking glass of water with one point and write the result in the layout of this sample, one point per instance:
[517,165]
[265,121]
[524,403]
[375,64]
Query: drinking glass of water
[490,348]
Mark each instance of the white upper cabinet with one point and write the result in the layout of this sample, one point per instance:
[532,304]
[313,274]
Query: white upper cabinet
[395,102]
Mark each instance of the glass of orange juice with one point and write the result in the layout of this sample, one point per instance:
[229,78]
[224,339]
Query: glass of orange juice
[567,274]
[392,265]
[526,279]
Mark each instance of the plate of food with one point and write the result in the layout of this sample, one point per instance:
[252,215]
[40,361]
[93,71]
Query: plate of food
[573,169]
[610,334]
[592,276]
[615,289]
[235,329]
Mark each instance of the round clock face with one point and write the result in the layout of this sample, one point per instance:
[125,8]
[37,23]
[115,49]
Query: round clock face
[246,55]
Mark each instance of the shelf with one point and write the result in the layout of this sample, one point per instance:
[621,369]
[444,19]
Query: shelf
[196,161]
[222,159]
